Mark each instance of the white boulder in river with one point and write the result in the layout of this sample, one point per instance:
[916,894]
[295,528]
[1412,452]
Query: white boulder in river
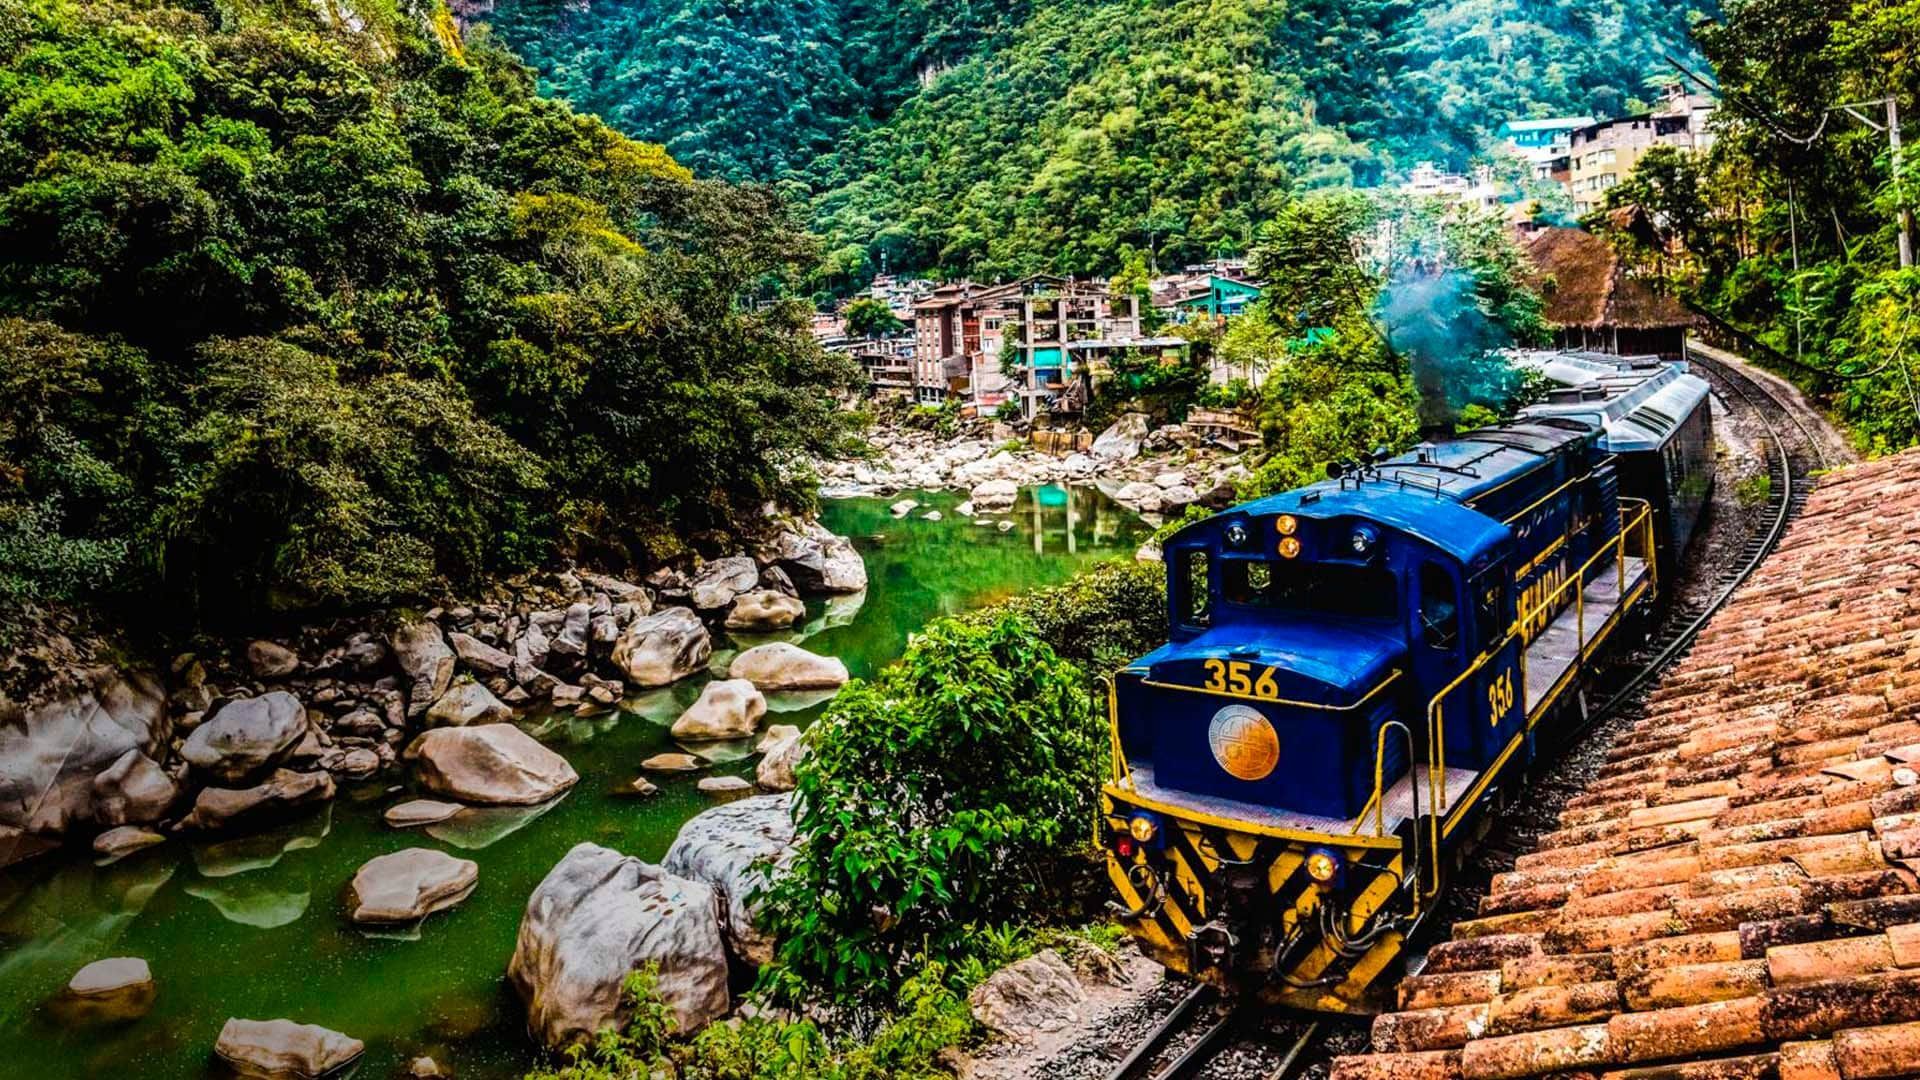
[467,702]
[284,1050]
[718,582]
[663,648]
[781,666]
[994,495]
[428,661]
[408,885]
[818,561]
[737,848]
[492,764]
[246,735]
[114,990]
[765,609]
[599,916]
[727,709]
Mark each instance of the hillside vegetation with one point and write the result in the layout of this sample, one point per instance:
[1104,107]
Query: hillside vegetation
[305,312]
[998,137]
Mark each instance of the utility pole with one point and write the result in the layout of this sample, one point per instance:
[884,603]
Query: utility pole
[1906,217]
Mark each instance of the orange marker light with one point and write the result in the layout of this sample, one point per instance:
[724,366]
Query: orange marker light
[1289,547]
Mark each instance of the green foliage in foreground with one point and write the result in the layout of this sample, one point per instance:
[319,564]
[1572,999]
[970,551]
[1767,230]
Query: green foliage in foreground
[293,315]
[1100,620]
[949,792]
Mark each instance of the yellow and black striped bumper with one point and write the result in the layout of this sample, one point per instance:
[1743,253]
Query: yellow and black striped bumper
[1236,908]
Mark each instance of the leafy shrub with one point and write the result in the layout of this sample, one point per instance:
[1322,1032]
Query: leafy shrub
[1100,619]
[948,792]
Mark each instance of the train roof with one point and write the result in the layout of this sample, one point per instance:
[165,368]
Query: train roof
[1428,492]
[1637,401]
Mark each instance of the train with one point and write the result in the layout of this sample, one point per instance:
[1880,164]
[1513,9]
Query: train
[1359,671]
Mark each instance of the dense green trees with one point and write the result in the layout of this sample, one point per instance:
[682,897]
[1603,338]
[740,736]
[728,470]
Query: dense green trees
[1000,137]
[1788,225]
[295,314]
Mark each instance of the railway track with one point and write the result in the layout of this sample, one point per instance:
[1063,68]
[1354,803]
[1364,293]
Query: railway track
[1200,1028]
[1171,1051]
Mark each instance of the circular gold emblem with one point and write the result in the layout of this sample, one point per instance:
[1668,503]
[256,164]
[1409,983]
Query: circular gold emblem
[1243,742]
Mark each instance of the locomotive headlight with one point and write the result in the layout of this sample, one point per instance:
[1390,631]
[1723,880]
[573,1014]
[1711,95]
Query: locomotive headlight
[1287,524]
[1322,865]
[1289,547]
[1237,535]
[1363,539]
[1143,828]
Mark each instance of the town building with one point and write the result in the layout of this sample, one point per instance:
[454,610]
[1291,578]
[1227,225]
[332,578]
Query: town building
[1063,331]
[1545,144]
[1597,305]
[1601,155]
[960,338]
[1429,181]
[1216,296]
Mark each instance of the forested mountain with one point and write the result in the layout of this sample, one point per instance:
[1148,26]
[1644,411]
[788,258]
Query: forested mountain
[1002,136]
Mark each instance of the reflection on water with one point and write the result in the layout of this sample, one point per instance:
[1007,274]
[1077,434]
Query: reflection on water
[256,926]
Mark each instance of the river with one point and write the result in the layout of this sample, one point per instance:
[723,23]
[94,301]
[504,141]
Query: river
[255,926]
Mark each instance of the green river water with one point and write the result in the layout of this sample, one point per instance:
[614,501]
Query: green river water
[255,926]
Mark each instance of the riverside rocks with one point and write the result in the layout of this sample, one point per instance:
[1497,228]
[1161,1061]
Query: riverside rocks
[775,770]
[408,885]
[738,849]
[994,495]
[270,660]
[55,749]
[246,736]
[427,661]
[816,561]
[1038,994]
[479,655]
[490,765]
[765,609]
[718,582]
[727,709]
[284,1050]
[663,648]
[416,812]
[108,991]
[467,702]
[132,791]
[597,917]
[781,666]
[123,841]
[277,796]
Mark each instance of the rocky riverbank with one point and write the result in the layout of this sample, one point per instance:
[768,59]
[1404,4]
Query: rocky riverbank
[239,737]
[1157,471]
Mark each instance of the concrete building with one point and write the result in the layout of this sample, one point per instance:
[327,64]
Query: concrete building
[1545,144]
[1603,154]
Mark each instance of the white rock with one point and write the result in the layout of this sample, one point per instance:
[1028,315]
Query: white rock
[726,709]
[965,509]
[284,1050]
[718,582]
[415,812]
[902,508]
[1121,442]
[738,848]
[931,515]
[246,736]
[1178,496]
[123,841]
[408,885]
[596,918]
[491,764]
[724,785]
[765,609]
[662,648]
[1170,479]
[427,660]
[775,771]
[781,666]
[467,702]
[994,495]
[1038,994]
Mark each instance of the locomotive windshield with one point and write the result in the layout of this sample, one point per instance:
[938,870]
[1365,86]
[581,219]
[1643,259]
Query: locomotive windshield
[1309,588]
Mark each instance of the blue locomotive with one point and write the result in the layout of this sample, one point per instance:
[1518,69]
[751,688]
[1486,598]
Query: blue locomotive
[1357,670]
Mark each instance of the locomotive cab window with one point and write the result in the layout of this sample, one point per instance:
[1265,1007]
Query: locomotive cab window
[1316,588]
[1439,608]
[1193,607]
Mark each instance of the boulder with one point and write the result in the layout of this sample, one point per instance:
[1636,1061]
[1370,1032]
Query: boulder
[994,495]
[51,753]
[597,917]
[1170,480]
[931,515]
[775,735]
[621,592]
[1142,496]
[576,626]
[718,582]
[1178,497]
[273,798]
[479,655]
[905,506]
[775,771]
[776,579]
[765,609]
[415,812]
[531,650]
[108,991]
[427,661]
[662,648]
[724,785]
[1038,994]
[125,840]
[490,764]
[467,702]
[1121,441]
[780,666]
[271,661]
[284,1050]
[672,763]
[818,561]
[358,763]
[246,735]
[726,709]
[133,791]
[738,849]
[408,885]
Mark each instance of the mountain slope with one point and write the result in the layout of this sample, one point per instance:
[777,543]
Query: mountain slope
[1003,137]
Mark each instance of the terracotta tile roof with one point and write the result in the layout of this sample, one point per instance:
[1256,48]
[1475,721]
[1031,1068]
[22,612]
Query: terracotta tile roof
[1735,895]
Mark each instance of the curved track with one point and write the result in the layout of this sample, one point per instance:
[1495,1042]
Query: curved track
[1200,1026]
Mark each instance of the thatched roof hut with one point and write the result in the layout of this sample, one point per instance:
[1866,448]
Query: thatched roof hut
[1595,303]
